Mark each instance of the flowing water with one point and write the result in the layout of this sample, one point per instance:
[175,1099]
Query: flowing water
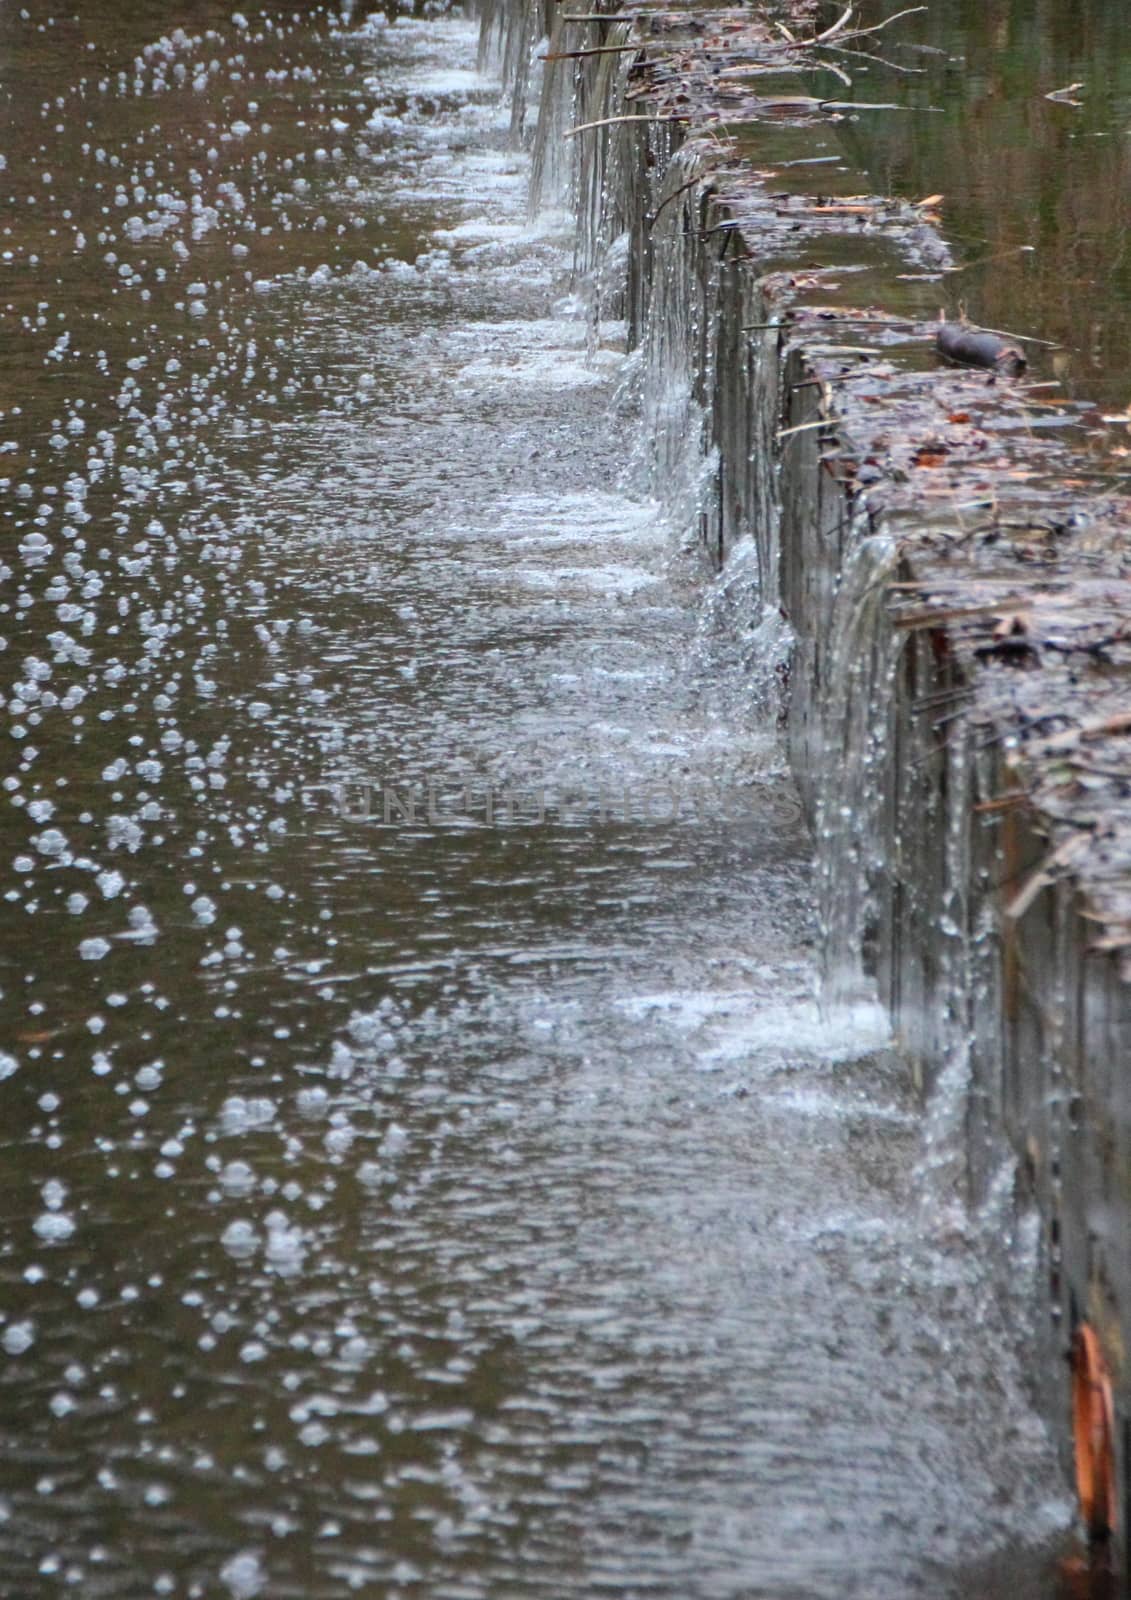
[427,1170]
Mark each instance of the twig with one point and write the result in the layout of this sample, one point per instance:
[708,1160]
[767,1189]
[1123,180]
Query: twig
[858,33]
[606,122]
[839,24]
[1002,802]
[1050,344]
[803,427]
[870,105]
[866,55]
[936,616]
[942,697]
[647,11]
[839,72]
[699,177]
[835,377]
[1044,877]
[823,322]
[862,33]
[595,50]
[984,261]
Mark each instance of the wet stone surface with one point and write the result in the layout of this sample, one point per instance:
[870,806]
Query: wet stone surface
[415,1201]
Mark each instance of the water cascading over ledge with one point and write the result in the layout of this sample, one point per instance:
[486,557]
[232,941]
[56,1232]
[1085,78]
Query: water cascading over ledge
[965,765]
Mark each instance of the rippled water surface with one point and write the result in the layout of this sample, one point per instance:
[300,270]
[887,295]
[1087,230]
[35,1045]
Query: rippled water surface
[426,1169]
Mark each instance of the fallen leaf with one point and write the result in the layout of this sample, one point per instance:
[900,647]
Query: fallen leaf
[927,457]
[931,200]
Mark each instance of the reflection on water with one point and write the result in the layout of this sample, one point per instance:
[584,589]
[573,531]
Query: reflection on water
[1037,191]
[453,1206]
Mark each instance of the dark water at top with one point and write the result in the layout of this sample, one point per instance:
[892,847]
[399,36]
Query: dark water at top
[432,1202]
[1037,192]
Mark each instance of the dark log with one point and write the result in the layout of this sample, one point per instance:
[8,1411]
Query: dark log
[976,349]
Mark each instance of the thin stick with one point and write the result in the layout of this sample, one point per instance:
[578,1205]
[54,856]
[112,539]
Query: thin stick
[836,27]
[859,33]
[699,177]
[831,66]
[607,122]
[646,11]
[824,322]
[868,105]
[1050,344]
[803,427]
[835,377]
[984,261]
[866,55]
[596,50]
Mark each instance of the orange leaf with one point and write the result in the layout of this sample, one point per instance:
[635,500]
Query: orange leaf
[929,458]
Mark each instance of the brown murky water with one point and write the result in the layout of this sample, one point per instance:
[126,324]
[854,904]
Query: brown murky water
[403,1194]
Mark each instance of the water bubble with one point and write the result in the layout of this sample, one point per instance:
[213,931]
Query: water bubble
[240,1239]
[312,1102]
[286,1247]
[54,1226]
[18,1337]
[51,843]
[394,1141]
[238,1114]
[244,1575]
[237,1180]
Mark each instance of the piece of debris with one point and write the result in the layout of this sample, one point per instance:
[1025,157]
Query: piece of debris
[1065,96]
[975,348]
